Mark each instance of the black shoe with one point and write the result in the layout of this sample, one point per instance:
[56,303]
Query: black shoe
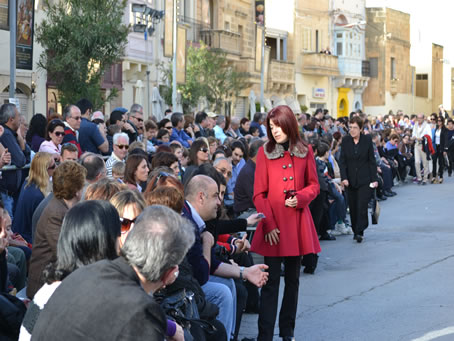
[381,198]
[389,193]
[358,238]
[424,183]
[327,236]
[393,193]
[309,270]
[288,338]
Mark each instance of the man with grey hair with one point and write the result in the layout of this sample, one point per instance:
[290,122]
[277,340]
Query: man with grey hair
[135,118]
[15,151]
[420,130]
[120,150]
[219,128]
[72,118]
[113,299]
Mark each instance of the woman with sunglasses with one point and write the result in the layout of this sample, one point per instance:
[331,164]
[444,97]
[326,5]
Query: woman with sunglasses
[54,136]
[198,155]
[439,134]
[129,205]
[136,171]
[34,190]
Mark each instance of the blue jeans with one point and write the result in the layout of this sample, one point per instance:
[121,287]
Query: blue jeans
[222,292]
[8,202]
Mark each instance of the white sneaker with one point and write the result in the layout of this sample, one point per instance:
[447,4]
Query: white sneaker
[341,228]
[335,232]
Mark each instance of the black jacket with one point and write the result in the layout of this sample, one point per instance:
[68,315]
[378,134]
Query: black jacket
[101,301]
[357,164]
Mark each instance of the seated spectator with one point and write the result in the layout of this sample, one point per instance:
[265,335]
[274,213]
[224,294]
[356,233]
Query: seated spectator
[166,196]
[167,160]
[198,154]
[135,121]
[92,138]
[34,190]
[118,172]
[257,121]
[103,189]
[201,124]
[239,155]
[16,254]
[163,137]
[255,131]
[120,150]
[67,183]
[245,124]
[137,145]
[148,262]
[151,130]
[54,136]
[72,118]
[96,169]
[36,133]
[69,152]
[178,134]
[213,144]
[89,233]
[162,178]
[136,171]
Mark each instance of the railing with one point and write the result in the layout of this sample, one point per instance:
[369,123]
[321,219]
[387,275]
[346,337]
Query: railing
[281,72]
[220,39]
[320,64]
[365,68]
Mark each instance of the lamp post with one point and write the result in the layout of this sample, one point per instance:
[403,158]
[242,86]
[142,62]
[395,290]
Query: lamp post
[146,19]
[12,46]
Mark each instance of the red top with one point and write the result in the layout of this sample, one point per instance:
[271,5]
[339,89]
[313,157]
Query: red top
[276,173]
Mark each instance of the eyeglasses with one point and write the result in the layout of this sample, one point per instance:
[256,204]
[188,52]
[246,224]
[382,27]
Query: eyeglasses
[168,127]
[138,118]
[126,224]
[122,146]
[77,118]
[205,150]
[59,133]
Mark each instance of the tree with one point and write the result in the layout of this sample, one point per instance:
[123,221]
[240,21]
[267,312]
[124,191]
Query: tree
[208,74]
[81,40]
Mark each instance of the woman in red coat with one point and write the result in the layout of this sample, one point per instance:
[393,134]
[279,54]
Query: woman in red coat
[285,183]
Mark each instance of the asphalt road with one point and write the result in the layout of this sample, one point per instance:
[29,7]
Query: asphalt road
[397,285]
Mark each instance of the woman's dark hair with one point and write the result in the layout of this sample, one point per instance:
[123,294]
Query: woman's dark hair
[208,170]
[284,117]
[162,123]
[252,130]
[37,127]
[88,234]
[51,127]
[244,120]
[163,159]
[195,147]
[218,151]
[132,163]
[442,119]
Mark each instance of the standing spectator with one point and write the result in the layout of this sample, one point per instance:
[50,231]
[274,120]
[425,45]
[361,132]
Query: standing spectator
[36,134]
[148,262]
[11,180]
[285,184]
[35,189]
[244,187]
[54,136]
[219,128]
[92,138]
[449,146]
[136,171]
[359,174]
[201,123]
[178,133]
[420,130]
[72,117]
[135,119]
[439,142]
[120,150]
[68,181]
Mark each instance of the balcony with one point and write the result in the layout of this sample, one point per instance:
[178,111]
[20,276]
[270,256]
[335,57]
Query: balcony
[319,64]
[226,41]
[281,76]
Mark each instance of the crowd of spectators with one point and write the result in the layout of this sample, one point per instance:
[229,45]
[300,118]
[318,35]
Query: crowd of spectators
[94,224]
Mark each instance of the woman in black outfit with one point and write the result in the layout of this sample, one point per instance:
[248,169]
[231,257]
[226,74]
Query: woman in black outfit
[439,141]
[359,174]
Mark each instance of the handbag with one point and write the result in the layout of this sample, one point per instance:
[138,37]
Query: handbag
[375,214]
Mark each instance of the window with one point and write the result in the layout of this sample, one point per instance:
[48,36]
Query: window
[422,85]
[393,68]
[317,42]
[373,67]
[339,47]
[307,39]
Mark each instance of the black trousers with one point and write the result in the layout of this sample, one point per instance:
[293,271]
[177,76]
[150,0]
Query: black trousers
[451,160]
[358,199]
[270,294]
[319,210]
[441,162]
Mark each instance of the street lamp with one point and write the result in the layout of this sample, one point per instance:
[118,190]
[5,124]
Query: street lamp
[145,22]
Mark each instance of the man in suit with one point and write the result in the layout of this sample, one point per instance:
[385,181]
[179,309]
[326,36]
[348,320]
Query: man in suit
[359,174]
[113,300]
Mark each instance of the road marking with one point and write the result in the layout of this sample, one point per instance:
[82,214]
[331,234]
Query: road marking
[435,334]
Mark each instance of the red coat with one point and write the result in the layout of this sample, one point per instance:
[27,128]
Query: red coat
[276,173]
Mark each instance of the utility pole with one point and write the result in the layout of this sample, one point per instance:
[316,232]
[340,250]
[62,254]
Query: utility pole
[262,73]
[12,46]
[174,64]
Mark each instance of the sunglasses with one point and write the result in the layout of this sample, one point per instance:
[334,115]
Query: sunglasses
[59,133]
[168,128]
[205,150]
[138,119]
[126,224]
[78,118]
[122,146]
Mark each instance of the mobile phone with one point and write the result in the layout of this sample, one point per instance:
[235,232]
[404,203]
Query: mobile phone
[261,216]
[289,194]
